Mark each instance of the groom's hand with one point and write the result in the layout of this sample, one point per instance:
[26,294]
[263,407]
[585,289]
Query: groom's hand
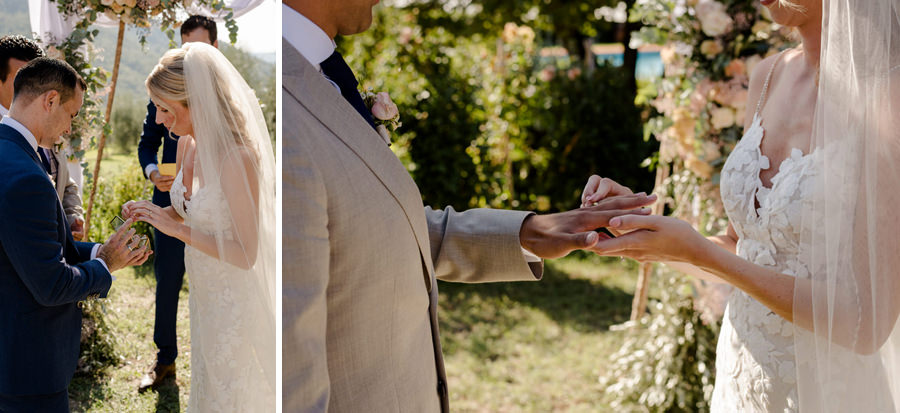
[162,182]
[555,235]
[121,249]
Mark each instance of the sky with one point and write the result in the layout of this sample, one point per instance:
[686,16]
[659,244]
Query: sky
[256,32]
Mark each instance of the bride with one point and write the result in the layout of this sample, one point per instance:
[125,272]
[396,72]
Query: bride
[223,208]
[813,244]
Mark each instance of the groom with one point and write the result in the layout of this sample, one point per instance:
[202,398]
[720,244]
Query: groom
[361,256]
[43,271]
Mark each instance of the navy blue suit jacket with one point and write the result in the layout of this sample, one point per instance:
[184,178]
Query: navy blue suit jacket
[43,274]
[154,135]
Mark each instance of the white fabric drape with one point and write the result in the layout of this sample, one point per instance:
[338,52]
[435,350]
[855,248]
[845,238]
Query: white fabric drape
[52,27]
[851,230]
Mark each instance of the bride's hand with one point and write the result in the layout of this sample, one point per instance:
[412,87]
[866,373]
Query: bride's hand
[129,207]
[598,188]
[163,219]
[654,238]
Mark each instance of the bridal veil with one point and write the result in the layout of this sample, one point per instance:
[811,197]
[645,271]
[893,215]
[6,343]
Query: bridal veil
[234,154]
[846,307]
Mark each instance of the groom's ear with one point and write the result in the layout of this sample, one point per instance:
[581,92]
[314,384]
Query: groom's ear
[50,99]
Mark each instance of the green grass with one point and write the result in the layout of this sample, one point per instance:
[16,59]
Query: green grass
[535,347]
[129,314]
[114,162]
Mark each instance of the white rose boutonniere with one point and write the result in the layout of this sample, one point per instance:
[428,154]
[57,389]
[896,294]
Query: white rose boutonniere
[384,113]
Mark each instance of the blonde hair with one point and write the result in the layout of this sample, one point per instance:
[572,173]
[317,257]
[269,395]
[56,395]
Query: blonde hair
[791,5]
[167,81]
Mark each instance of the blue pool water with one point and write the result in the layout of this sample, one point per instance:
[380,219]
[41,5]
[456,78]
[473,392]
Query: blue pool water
[649,64]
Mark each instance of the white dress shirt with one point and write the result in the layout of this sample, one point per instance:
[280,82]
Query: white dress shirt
[8,121]
[308,38]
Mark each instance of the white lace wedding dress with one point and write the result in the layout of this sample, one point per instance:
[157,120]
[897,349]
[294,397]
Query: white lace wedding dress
[226,373]
[755,359]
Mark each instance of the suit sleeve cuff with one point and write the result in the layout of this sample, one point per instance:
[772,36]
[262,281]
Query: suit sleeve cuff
[149,169]
[94,252]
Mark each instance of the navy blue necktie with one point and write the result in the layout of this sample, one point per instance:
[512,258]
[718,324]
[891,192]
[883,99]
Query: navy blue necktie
[44,159]
[337,70]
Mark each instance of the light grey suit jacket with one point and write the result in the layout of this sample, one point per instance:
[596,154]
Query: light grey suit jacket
[361,257]
[69,193]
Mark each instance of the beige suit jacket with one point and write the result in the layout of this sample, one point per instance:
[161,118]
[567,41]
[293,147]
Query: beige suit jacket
[69,193]
[361,257]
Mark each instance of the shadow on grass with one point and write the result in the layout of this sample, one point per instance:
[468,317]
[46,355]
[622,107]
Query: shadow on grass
[581,304]
[87,389]
[145,270]
[168,400]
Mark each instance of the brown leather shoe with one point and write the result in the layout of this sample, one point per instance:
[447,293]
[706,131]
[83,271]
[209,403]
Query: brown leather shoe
[157,374]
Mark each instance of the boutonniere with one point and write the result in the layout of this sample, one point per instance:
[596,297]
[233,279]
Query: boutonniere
[384,113]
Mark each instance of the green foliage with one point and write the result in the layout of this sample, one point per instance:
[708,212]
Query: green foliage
[128,116]
[667,361]
[112,194]
[260,76]
[583,124]
[98,344]
[480,126]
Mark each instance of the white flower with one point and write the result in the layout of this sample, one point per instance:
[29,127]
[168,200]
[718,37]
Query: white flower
[713,18]
[722,118]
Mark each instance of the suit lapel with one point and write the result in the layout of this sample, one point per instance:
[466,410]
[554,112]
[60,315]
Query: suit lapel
[12,135]
[301,80]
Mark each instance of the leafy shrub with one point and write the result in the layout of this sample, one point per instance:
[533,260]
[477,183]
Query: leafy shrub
[128,184]
[97,342]
[98,349]
[483,128]
[667,361]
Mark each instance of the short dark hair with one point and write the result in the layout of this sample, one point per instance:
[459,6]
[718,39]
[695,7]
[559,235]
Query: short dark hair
[17,47]
[200,22]
[44,74]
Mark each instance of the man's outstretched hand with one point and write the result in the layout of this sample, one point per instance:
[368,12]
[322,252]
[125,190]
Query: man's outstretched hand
[555,235]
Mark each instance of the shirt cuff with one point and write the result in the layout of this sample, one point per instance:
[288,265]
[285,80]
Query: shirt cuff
[149,169]
[529,256]
[94,252]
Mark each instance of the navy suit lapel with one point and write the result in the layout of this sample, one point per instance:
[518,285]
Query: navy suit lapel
[65,236]
[12,135]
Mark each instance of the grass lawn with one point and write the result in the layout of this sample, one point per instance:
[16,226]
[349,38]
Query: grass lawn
[535,346]
[129,314]
[114,162]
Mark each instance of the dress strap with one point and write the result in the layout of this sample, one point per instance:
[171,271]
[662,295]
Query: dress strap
[762,96]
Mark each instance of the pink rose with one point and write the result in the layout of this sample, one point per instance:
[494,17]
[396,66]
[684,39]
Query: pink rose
[547,73]
[384,108]
[574,73]
[406,33]
[735,68]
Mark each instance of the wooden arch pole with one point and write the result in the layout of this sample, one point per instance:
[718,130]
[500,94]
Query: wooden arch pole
[109,105]
[645,271]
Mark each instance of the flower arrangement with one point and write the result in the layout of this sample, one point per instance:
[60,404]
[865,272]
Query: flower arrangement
[710,48]
[143,13]
[384,113]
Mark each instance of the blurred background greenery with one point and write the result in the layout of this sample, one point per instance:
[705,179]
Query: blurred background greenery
[509,104]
